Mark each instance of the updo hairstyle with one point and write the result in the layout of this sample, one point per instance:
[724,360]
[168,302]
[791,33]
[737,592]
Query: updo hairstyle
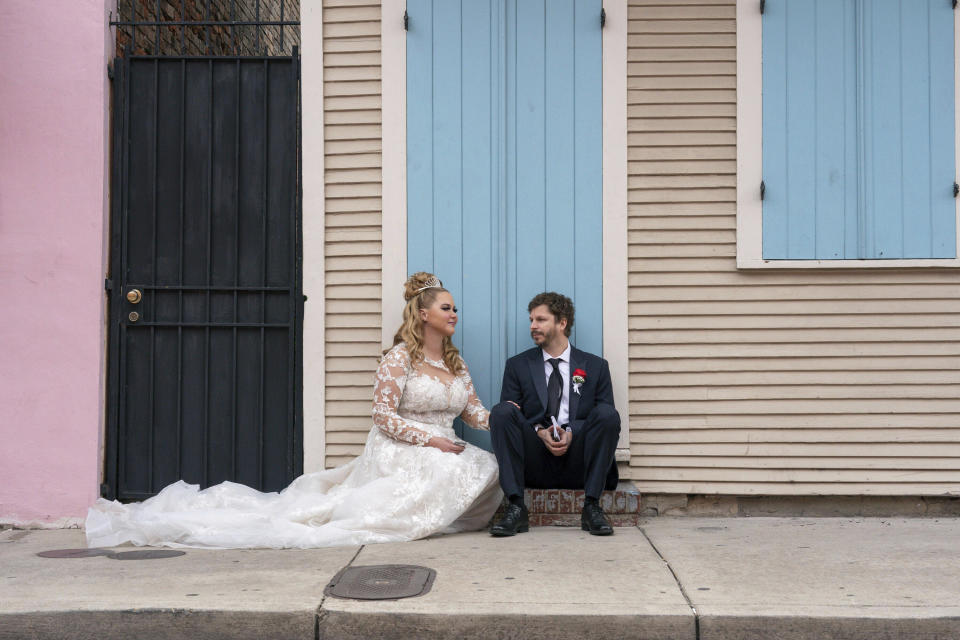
[419,294]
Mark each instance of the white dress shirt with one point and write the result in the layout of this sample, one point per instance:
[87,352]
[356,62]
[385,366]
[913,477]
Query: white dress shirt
[563,416]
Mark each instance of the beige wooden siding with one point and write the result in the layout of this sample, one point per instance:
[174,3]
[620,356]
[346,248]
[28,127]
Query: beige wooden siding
[805,382]
[351,89]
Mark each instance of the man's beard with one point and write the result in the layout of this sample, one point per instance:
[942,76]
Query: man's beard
[546,336]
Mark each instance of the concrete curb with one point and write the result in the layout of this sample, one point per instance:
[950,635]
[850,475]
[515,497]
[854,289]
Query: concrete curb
[341,625]
[724,627]
[158,624]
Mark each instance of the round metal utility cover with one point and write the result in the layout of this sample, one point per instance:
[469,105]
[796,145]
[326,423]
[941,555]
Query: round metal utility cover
[381,582]
[74,553]
[146,554]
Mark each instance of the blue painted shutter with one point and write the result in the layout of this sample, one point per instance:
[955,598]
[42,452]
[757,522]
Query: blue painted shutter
[504,159]
[858,129]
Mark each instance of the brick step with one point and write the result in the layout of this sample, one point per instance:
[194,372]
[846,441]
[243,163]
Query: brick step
[562,507]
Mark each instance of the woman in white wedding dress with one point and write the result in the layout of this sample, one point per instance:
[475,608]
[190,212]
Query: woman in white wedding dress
[412,480]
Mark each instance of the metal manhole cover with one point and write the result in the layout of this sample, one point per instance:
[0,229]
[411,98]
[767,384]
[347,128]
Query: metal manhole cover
[146,554]
[74,553]
[381,582]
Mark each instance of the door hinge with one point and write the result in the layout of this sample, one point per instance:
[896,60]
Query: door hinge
[406,21]
[107,284]
[105,489]
[956,189]
[603,17]
[109,71]
[763,189]
[954,4]
[763,5]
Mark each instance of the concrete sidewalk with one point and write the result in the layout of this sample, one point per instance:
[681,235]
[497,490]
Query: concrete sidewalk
[677,578]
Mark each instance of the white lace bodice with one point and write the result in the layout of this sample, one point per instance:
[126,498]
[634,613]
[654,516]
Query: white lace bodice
[405,394]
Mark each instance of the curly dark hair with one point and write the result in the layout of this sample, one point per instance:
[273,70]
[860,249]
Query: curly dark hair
[558,304]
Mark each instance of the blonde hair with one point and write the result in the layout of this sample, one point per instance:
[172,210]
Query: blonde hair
[420,292]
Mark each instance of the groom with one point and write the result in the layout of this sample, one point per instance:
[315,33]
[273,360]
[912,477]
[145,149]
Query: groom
[556,426]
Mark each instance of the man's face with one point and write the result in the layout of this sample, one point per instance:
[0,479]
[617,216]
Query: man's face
[544,328]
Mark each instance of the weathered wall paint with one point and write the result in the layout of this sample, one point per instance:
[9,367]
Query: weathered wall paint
[54,97]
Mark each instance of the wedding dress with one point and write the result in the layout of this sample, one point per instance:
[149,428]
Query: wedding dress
[397,489]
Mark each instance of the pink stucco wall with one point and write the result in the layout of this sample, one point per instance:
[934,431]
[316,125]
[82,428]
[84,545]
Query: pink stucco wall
[53,163]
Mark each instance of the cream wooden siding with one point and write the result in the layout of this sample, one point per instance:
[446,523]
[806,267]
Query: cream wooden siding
[351,89]
[812,382]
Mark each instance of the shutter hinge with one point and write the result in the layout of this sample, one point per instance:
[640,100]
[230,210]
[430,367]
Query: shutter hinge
[406,21]
[603,17]
[956,189]
[954,4]
[110,71]
[107,284]
[763,189]
[763,5]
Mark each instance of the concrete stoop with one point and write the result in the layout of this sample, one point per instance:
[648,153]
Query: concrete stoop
[562,507]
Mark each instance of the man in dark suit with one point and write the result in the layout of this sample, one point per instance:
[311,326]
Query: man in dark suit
[556,425]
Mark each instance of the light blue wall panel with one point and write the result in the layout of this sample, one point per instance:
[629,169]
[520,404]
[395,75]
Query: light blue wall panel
[420,159]
[453,172]
[504,161]
[884,156]
[858,129]
[587,251]
[809,129]
[481,300]
[528,215]
[943,220]
[802,97]
[554,204]
[908,129]
[448,156]
[775,130]
[835,218]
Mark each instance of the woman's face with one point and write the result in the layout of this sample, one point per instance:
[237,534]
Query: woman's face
[441,316]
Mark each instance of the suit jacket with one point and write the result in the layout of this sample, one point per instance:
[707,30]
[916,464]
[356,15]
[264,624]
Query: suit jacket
[524,383]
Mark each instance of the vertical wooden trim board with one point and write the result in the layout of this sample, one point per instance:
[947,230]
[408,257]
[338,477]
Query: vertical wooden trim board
[615,333]
[394,168]
[312,136]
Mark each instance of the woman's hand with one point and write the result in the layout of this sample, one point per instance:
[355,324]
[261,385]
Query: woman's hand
[444,444]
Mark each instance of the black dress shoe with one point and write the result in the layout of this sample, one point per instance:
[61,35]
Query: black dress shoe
[593,520]
[514,521]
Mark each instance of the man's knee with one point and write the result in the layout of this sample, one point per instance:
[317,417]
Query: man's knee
[605,416]
[502,415]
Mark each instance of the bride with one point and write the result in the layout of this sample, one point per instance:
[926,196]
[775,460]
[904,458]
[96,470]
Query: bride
[413,479]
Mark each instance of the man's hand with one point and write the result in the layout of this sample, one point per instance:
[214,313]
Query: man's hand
[554,447]
[515,404]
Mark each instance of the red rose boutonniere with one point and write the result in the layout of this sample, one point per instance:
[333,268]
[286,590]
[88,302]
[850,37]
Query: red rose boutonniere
[579,377]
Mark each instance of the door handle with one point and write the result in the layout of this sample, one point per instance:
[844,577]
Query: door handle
[134,296]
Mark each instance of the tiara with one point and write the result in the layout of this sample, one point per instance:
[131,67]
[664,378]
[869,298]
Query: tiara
[433,282]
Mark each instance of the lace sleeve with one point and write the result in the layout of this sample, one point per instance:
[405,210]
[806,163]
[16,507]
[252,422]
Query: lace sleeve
[391,379]
[474,414]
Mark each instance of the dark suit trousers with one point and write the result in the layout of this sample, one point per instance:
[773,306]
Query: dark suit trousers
[525,461]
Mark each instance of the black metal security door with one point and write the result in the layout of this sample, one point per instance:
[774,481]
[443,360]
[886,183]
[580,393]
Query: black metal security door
[206,300]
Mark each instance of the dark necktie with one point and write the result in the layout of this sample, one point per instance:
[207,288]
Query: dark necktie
[554,390]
